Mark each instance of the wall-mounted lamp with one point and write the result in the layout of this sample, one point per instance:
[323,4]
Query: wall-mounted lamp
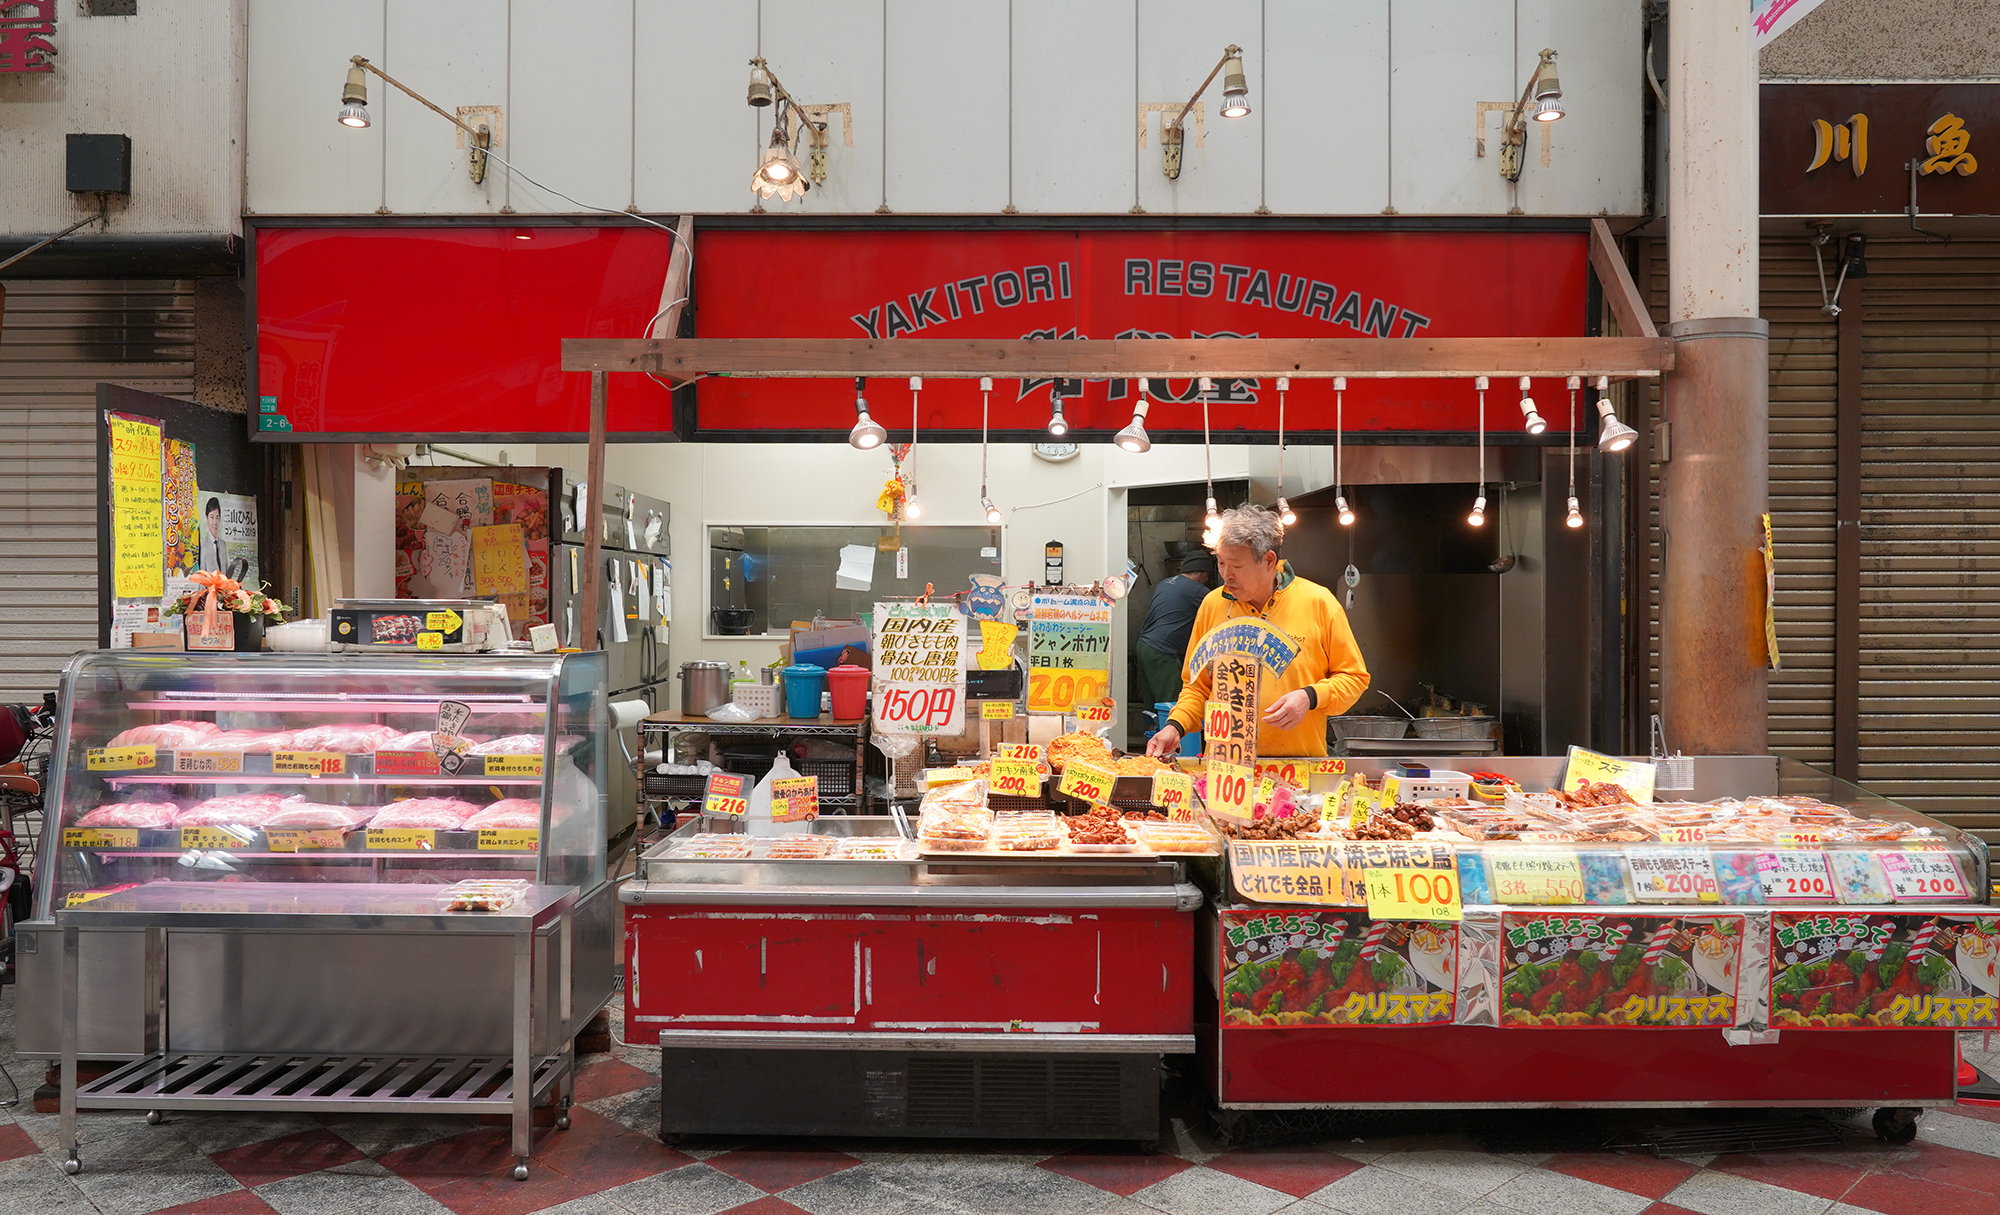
[1235,104]
[867,433]
[778,173]
[1542,101]
[354,111]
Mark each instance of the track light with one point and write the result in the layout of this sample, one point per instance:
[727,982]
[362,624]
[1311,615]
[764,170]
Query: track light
[1134,438]
[867,432]
[354,99]
[1345,512]
[1058,425]
[1613,436]
[1533,420]
[1541,101]
[1478,516]
[1575,518]
[1235,88]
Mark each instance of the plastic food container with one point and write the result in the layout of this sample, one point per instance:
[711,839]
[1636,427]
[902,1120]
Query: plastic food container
[849,686]
[803,685]
[481,894]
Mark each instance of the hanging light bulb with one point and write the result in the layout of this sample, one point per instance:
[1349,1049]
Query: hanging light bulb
[1478,516]
[992,511]
[985,404]
[1286,515]
[1575,517]
[867,432]
[1214,517]
[1534,421]
[1134,437]
[912,509]
[1346,512]
[1058,425]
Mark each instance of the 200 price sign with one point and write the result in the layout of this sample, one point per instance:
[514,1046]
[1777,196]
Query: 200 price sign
[1014,778]
[1088,784]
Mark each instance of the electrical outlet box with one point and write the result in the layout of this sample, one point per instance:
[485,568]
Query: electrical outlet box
[99,164]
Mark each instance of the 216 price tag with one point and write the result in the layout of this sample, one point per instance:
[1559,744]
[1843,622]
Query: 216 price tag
[1683,835]
[1086,783]
[1032,752]
[1096,714]
[1174,793]
[725,795]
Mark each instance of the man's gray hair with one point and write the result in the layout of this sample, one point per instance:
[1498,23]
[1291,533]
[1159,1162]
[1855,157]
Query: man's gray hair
[1254,527]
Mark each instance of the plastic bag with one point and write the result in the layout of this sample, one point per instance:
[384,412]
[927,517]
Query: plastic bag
[730,711]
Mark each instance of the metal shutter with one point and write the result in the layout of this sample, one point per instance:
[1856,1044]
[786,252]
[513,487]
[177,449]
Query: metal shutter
[58,339]
[1930,549]
[1801,429]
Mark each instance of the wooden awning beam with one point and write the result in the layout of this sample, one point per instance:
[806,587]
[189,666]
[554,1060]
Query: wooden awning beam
[683,359]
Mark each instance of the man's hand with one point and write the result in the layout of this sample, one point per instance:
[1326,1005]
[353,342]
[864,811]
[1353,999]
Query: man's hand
[1164,743]
[1288,710]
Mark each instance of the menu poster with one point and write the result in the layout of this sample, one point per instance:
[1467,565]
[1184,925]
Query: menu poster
[1850,970]
[1069,651]
[1591,970]
[441,562]
[1283,969]
[919,671]
[137,528]
[499,560]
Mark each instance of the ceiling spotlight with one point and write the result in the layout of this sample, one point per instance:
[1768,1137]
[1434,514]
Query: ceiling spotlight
[1346,512]
[354,99]
[760,84]
[1058,425]
[1575,518]
[992,511]
[1134,438]
[1534,420]
[1235,104]
[1614,435]
[1235,89]
[867,432]
[1478,516]
[1548,109]
[1286,515]
[1213,519]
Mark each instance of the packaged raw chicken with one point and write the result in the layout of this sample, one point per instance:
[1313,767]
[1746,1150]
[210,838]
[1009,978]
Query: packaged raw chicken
[511,744]
[237,810]
[156,816]
[259,742]
[313,817]
[171,735]
[348,737]
[435,813]
[514,812]
[422,740]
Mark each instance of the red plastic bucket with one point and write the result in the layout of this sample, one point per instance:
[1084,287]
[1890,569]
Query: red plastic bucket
[849,686]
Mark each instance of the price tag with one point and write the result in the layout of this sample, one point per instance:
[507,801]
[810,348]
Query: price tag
[1684,835]
[725,795]
[1794,875]
[308,763]
[1329,767]
[1365,803]
[293,840]
[208,761]
[1332,809]
[996,710]
[947,776]
[119,759]
[100,837]
[402,839]
[513,765]
[1015,778]
[1267,788]
[1805,837]
[1413,894]
[508,839]
[216,837]
[794,799]
[1230,789]
[543,638]
[1174,793]
[1543,875]
[88,896]
[1215,719]
[1032,752]
[1086,783]
[406,763]
[430,641]
[1916,876]
[446,621]
[1097,714]
[1673,875]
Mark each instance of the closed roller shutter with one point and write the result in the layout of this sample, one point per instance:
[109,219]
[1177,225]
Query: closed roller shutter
[1930,528]
[58,339]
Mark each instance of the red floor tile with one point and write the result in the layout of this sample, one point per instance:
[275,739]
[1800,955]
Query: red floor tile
[1291,1172]
[1973,1109]
[1790,1171]
[429,1166]
[610,1078]
[1666,1208]
[766,1206]
[1125,1175]
[236,1202]
[1632,1173]
[1894,1194]
[277,1159]
[497,1193]
[1949,1166]
[774,1170]
[598,1153]
[14,1143]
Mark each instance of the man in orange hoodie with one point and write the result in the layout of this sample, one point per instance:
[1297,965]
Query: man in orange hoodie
[1326,677]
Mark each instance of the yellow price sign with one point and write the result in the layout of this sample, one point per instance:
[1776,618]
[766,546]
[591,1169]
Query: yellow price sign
[1051,691]
[1015,778]
[303,840]
[1683,835]
[513,765]
[1097,714]
[1365,802]
[216,837]
[1804,837]
[100,837]
[1032,752]
[308,763]
[402,839]
[794,799]
[119,759]
[996,710]
[1087,783]
[446,621]
[1215,719]
[1534,876]
[1332,809]
[1174,793]
[508,839]
[1230,789]
[1413,894]
[1632,775]
[1329,767]
[933,777]
[430,641]
[208,761]
[725,795]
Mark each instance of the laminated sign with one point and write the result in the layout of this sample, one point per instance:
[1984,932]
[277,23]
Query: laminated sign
[1852,970]
[1069,651]
[919,679]
[1596,970]
[1335,968]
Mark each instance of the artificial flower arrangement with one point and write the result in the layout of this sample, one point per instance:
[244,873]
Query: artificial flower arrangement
[227,595]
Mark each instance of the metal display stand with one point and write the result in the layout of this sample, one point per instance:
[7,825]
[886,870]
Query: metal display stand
[660,730]
[304,1080]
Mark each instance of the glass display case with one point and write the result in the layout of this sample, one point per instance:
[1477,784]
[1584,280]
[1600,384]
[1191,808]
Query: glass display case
[285,769]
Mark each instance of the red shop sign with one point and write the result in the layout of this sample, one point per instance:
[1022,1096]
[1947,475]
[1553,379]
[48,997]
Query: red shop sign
[1134,284]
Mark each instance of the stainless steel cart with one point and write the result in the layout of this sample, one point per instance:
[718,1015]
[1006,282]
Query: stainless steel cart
[311,1078]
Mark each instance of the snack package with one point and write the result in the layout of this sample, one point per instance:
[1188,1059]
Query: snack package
[154,816]
[801,847]
[874,848]
[958,795]
[1103,827]
[1189,838]
[482,894]
[954,828]
[714,847]
[434,813]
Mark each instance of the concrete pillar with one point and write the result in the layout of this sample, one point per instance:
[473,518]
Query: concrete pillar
[1715,487]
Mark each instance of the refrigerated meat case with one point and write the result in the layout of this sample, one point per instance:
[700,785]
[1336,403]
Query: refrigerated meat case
[1764,993]
[929,996]
[225,961]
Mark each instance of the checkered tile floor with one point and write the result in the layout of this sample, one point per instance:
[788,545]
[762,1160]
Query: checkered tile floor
[611,1162]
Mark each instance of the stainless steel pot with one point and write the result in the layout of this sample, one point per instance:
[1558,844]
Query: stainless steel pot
[704,685]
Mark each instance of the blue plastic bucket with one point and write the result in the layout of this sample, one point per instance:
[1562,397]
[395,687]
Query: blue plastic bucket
[803,685]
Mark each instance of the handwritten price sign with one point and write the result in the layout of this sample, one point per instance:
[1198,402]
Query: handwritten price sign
[725,795]
[1032,752]
[1015,778]
[918,709]
[794,799]
[1230,791]
[1086,783]
[1174,793]
[1923,875]
[1540,876]
[996,710]
[119,759]
[1412,894]
[1794,875]
[1215,719]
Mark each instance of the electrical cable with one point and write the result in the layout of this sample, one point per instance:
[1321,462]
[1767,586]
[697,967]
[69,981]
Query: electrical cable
[491,154]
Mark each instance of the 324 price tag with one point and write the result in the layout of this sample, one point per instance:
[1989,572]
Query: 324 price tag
[1087,783]
[725,795]
[1412,894]
[1174,793]
[1015,778]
